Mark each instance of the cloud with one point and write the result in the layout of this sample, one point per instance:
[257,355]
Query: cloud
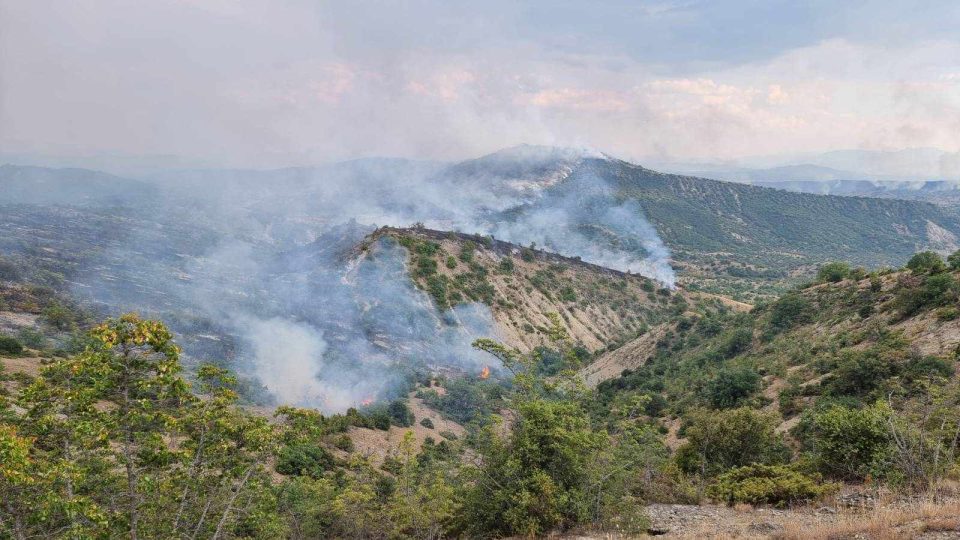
[256,83]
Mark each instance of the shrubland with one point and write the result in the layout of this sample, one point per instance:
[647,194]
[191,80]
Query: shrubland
[850,379]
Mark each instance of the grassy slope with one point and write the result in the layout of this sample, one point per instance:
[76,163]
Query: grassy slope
[851,341]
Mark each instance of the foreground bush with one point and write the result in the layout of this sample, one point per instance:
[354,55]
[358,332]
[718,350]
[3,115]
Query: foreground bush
[9,345]
[778,485]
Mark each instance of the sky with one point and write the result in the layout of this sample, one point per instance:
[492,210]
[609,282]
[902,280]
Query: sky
[251,83]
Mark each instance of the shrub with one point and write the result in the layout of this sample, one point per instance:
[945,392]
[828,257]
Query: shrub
[304,460]
[926,262]
[954,260]
[849,443]
[10,345]
[731,386]
[427,423]
[8,271]
[467,251]
[949,313]
[400,413]
[449,435]
[58,317]
[451,262]
[380,419]
[506,265]
[739,341]
[790,311]
[859,373]
[928,366]
[717,441]
[833,272]
[343,442]
[778,485]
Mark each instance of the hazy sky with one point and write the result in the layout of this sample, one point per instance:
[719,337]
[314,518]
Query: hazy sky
[268,83]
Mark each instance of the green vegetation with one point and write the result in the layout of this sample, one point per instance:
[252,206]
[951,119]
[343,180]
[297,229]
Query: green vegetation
[777,485]
[774,407]
[10,346]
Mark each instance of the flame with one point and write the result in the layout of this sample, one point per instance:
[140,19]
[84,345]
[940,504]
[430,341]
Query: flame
[367,401]
[485,372]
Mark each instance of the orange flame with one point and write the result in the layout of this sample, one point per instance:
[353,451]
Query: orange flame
[367,401]
[485,372]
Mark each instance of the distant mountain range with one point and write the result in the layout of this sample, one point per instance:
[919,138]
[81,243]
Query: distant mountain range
[563,199]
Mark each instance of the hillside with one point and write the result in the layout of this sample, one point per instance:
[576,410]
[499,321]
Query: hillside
[724,237]
[853,339]
[598,307]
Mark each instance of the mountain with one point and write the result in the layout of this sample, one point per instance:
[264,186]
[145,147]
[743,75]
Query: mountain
[44,186]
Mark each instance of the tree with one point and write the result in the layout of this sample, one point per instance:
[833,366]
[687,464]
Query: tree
[134,453]
[833,272]
[851,443]
[536,479]
[926,262]
[789,311]
[717,441]
[731,386]
[954,260]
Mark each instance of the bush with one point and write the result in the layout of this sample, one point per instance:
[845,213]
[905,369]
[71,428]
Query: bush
[304,460]
[926,262]
[778,485]
[343,442]
[451,262]
[10,345]
[58,317]
[833,272]
[739,341]
[717,441]
[860,372]
[8,271]
[400,413]
[790,311]
[851,444]
[732,386]
[954,260]
[467,251]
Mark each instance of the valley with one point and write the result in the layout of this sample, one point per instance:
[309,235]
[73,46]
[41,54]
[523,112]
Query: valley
[673,331]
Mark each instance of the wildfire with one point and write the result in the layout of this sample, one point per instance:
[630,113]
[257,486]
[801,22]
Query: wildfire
[485,372]
[367,401]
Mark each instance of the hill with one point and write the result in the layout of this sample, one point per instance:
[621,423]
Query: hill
[598,307]
[851,339]
[45,186]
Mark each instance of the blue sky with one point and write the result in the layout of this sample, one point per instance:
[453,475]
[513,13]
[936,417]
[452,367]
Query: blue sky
[269,83]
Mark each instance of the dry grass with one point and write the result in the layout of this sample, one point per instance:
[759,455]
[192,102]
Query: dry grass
[883,523]
[951,524]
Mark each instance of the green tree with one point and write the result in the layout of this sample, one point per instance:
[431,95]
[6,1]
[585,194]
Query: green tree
[833,272]
[732,386]
[536,480]
[926,262]
[954,260]
[720,440]
[851,443]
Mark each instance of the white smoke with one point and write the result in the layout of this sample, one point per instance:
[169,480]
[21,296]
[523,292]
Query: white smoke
[268,256]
